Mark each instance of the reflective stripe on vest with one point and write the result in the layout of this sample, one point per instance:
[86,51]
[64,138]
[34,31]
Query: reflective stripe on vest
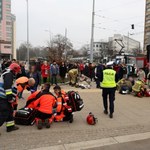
[108,79]
[2,91]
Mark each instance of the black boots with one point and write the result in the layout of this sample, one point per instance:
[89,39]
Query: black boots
[105,112]
[111,116]
[12,128]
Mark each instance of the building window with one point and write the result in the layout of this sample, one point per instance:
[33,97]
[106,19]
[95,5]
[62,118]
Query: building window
[7,46]
[9,34]
[148,33]
[8,23]
[96,45]
[8,17]
[8,28]
[148,21]
[8,6]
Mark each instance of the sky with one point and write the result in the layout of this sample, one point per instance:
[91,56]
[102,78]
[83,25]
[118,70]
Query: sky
[50,17]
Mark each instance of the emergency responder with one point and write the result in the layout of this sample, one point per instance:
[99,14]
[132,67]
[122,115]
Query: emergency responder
[23,83]
[33,97]
[44,106]
[73,73]
[6,96]
[108,80]
[63,111]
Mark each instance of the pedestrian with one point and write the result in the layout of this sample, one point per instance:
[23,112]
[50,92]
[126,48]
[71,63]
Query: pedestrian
[108,80]
[54,72]
[98,72]
[81,68]
[6,97]
[33,73]
[86,70]
[23,71]
[148,79]
[62,72]
[45,71]
[141,74]
[91,71]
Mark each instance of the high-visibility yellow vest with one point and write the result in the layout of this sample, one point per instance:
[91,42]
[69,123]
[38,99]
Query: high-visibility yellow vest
[108,79]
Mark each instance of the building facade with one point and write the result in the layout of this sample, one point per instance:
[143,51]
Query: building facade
[7,26]
[100,49]
[14,48]
[126,44]
[147,25]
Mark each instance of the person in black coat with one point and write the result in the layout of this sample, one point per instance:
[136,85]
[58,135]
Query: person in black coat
[62,71]
[33,73]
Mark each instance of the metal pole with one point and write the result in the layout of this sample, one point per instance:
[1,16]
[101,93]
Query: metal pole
[92,33]
[128,42]
[28,54]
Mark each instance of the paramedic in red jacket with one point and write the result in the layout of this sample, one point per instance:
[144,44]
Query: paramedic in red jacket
[63,111]
[33,97]
[44,106]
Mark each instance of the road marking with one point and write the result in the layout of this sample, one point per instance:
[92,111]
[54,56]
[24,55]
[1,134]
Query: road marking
[99,143]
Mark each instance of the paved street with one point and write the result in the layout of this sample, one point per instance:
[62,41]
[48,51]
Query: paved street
[131,117]
[137,145]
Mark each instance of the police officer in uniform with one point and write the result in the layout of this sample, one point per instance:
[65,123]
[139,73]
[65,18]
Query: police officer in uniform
[108,80]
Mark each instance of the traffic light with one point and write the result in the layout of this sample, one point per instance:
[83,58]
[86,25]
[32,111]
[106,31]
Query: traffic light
[132,26]
[148,53]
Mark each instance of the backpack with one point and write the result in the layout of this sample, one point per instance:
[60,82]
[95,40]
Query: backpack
[75,101]
[25,116]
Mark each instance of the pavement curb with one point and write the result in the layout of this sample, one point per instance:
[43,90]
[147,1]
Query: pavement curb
[98,143]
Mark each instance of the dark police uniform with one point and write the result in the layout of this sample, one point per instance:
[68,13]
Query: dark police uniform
[6,99]
[108,85]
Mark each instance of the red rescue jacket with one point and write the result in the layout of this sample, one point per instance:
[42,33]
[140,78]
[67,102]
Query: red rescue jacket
[45,103]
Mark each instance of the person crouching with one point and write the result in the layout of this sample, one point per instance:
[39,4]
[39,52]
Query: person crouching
[44,106]
[63,111]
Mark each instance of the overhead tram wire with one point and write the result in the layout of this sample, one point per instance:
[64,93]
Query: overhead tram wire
[124,4]
[117,21]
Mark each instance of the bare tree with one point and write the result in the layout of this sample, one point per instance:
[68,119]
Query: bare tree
[58,46]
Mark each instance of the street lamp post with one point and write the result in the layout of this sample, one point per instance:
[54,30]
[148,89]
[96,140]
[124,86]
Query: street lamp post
[28,54]
[50,35]
[92,33]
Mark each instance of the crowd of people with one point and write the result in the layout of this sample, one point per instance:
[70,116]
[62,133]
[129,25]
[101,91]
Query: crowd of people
[76,73]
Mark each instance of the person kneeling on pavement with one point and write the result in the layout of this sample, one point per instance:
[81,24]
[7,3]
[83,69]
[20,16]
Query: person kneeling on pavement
[63,111]
[124,86]
[44,106]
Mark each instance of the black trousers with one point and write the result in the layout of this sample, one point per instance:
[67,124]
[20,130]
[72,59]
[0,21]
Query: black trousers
[111,93]
[6,111]
[42,115]
[44,79]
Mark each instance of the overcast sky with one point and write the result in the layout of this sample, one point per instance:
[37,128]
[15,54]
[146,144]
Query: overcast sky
[112,17]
